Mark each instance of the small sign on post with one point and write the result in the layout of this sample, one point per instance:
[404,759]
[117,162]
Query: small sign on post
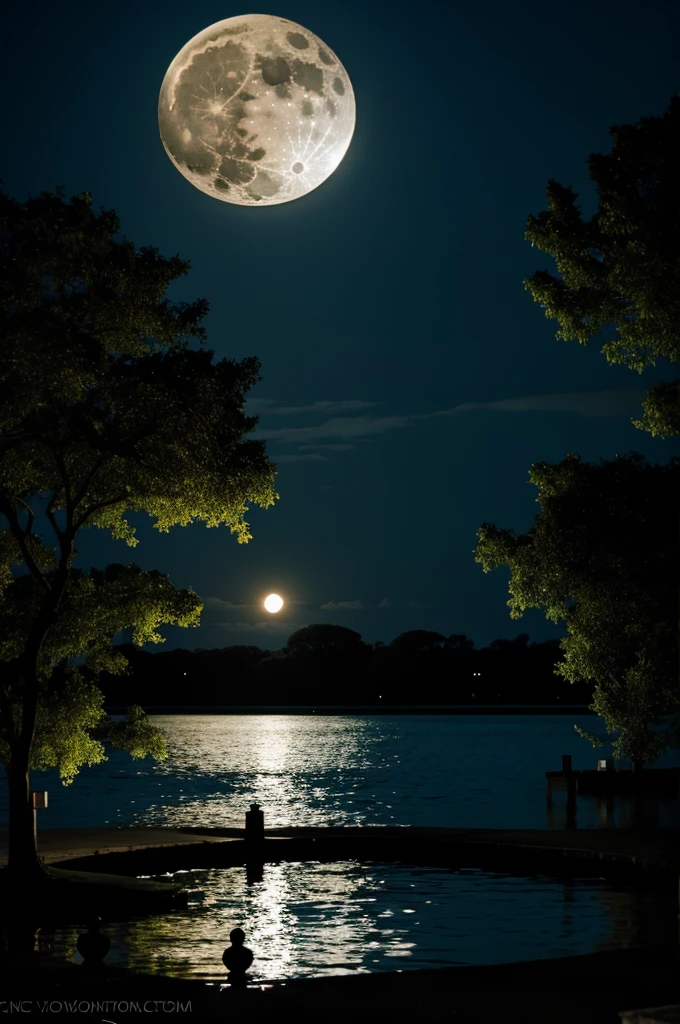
[38,802]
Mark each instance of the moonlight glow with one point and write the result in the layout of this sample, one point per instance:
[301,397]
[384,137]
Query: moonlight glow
[273,603]
[256,110]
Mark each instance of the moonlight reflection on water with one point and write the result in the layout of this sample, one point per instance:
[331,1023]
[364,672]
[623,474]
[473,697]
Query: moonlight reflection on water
[306,920]
[459,771]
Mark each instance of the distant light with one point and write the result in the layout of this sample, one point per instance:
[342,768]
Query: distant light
[273,603]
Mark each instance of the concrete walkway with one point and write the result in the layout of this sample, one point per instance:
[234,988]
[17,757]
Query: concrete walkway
[69,843]
[659,849]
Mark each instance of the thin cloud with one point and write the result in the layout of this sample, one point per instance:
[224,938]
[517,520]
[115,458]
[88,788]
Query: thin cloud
[273,626]
[385,603]
[415,604]
[254,406]
[216,610]
[328,447]
[333,606]
[219,602]
[345,427]
[299,458]
[328,407]
[269,633]
[592,404]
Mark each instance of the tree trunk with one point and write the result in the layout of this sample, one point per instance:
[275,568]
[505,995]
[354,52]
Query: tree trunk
[23,853]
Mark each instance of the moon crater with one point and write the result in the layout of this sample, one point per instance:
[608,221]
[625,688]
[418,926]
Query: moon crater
[256,110]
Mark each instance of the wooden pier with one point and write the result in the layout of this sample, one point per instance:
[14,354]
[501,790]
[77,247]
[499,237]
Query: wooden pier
[611,781]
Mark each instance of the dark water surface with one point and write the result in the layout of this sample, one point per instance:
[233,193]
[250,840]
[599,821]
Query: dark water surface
[311,919]
[461,771]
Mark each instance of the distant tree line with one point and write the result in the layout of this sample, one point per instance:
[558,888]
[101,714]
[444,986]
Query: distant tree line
[326,664]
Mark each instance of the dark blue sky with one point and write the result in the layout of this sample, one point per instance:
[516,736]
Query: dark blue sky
[409,380]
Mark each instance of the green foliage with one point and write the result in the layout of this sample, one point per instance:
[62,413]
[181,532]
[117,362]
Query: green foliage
[603,558]
[641,700]
[661,410]
[69,711]
[71,724]
[138,736]
[105,410]
[94,607]
[621,268]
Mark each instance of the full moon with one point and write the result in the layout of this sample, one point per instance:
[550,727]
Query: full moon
[256,110]
[273,603]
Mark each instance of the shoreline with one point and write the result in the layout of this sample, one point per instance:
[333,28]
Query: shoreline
[358,709]
[636,854]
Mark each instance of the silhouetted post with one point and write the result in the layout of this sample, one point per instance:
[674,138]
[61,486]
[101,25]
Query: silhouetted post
[571,788]
[254,824]
[93,945]
[254,844]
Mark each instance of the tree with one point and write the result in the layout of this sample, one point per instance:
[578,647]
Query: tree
[105,410]
[324,637]
[413,641]
[460,643]
[603,557]
[621,268]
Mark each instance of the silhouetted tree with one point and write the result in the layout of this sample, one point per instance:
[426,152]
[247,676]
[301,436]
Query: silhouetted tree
[446,673]
[105,410]
[414,640]
[460,642]
[621,268]
[603,558]
[323,637]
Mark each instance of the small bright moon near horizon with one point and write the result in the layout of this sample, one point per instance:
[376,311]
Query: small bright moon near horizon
[256,110]
[273,603]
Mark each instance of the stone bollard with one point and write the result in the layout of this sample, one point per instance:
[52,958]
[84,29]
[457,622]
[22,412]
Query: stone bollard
[254,824]
[237,958]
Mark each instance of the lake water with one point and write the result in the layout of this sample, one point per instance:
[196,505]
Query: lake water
[461,771]
[306,920]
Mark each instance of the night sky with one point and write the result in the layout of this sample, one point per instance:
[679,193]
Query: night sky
[409,380]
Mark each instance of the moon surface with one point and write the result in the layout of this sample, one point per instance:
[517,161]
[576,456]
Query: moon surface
[273,603]
[256,110]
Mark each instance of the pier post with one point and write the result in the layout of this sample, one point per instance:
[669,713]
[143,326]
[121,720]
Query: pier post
[254,845]
[571,789]
[254,824]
